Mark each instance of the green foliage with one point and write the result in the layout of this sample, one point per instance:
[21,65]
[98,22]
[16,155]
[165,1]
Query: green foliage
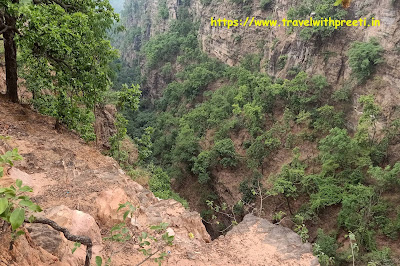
[115,141]
[338,150]
[65,58]
[342,94]
[364,57]
[281,63]
[147,241]
[302,231]
[379,258]
[322,9]
[144,144]
[386,177]
[291,174]
[187,145]
[206,2]
[202,165]
[303,91]
[160,185]
[327,244]
[14,204]
[266,4]
[99,261]
[128,98]
[161,48]
[225,150]
[328,118]
[247,189]
[76,246]
[163,10]
[8,159]
[251,62]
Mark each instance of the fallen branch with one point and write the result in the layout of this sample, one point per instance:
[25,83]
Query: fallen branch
[80,239]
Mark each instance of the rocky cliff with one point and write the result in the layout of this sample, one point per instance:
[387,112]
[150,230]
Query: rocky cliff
[328,57]
[81,190]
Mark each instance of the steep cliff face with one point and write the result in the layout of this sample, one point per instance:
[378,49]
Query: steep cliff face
[328,57]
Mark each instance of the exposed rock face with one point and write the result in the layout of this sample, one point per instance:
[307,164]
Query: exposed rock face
[104,127]
[78,223]
[328,57]
[78,183]
[180,220]
[108,204]
[25,252]
[279,245]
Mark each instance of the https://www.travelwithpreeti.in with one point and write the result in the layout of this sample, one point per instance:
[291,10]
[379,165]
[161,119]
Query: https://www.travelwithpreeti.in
[311,22]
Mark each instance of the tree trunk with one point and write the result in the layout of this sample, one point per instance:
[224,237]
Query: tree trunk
[10,51]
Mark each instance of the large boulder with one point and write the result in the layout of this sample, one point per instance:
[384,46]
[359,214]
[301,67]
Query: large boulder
[107,205]
[77,223]
[187,226]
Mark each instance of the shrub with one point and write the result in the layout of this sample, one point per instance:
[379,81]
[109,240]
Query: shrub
[322,9]
[225,149]
[160,185]
[202,164]
[163,10]
[206,2]
[265,4]
[282,62]
[363,58]
[326,243]
[251,62]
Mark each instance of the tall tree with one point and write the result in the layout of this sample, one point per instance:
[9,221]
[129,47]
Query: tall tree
[8,29]
[64,51]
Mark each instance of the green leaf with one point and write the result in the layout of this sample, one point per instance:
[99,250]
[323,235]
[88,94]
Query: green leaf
[25,203]
[126,214]
[1,171]
[76,246]
[338,2]
[26,189]
[31,219]
[121,206]
[18,183]
[99,261]
[20,232]
[17,218]
[3,205]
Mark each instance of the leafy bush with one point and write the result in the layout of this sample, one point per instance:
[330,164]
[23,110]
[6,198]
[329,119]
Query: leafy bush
[363,58]
[202,164]
[251,62]
[225,150]
[326,243]
[162,48]
[282,62]
[206,2]
[160,185]
[266,4]
[322,9]
[163,10]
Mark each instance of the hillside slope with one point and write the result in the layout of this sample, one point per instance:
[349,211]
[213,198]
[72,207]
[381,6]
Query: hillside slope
[80,189]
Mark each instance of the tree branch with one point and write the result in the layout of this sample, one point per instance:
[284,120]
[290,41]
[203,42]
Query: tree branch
[80,239]
[60,3]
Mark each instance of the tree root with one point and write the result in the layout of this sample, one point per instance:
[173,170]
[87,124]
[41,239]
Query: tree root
[80,239]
